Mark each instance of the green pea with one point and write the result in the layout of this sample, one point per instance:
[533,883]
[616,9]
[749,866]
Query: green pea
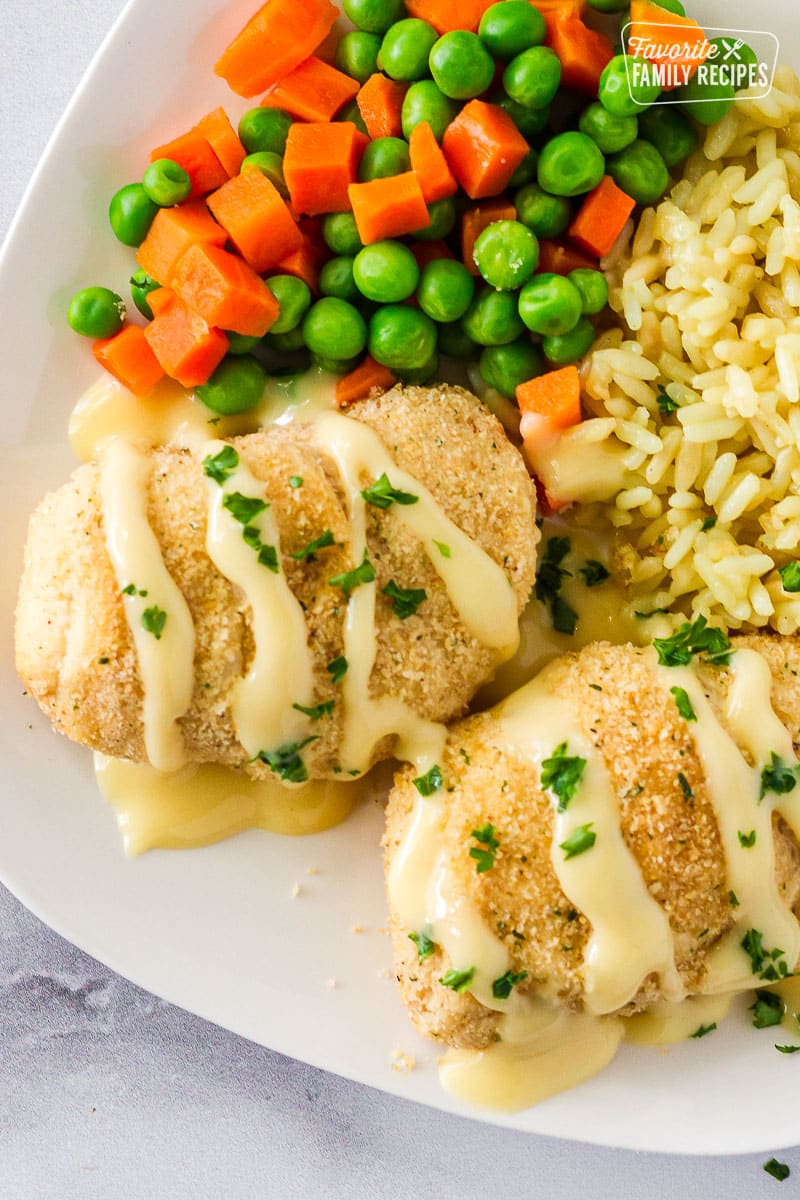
[506,367]
[375,16]
[593,288]
[526,171]
[443,218]
[610,133]
[508,28]
[506,254]
[625,88]
[335,366]
[532,78]
[420,375]
[529,121]
[286,343]
[341,233]
[445,289]
[405,49]
[550,305]
[142,285]
[570,164]
[492,318]
[357,54]
[401,337]
[336,279]
[611,6]
[166,182]
[425,102]
[236,386]
[670,131]
[706,103]
[461,65]
[386,272]
[294,299]
[96,312]
[738,58]
[263,129]
[384,157]
[640,171]
[270,165]
[673,6]
[545,215]
[455,342]
[564,348]
[241,343]
[351,112]
[333,328]
[131,214]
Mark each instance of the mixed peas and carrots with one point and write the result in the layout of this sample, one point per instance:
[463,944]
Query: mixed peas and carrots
[447,186]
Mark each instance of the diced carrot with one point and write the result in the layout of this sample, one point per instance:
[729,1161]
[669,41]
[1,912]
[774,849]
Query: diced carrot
[667,39]
[172,232]
[550,403]
[130,360]
[193,152]
[483,148]
[305,263]
[312,92]
[388,208]
[320,163]
[161,300]
[582,52]
[476,219]
[225,291]
[223,140]
[600,219]
[256,219]
[428,252]
[559,258]
[447,15]
[430,165]
[184,344]
[274,41]
[380,103]
[359,383]
[311,229]
[546,7]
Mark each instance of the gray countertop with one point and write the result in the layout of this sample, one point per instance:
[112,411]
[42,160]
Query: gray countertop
[106,1091]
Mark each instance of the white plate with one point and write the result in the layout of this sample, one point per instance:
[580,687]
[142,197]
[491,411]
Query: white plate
[218,931]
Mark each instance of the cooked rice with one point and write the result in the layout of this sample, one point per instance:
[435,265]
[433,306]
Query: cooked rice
[709,289]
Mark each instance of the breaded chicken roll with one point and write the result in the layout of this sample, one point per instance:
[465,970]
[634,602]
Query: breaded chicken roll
[294,601]
[624,829]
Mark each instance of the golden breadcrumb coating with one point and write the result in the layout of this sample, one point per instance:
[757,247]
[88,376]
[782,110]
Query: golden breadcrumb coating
[74,649]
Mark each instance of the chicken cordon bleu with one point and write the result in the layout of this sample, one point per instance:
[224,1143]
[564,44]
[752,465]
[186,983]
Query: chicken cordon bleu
[299,602]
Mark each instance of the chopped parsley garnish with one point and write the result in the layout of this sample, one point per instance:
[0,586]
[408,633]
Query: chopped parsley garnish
[252,536]
[459,981]
[501,988]
[666,404]
[762,960]
[547,588]
[684,703]
[337,669]
[425,945]
[593,572]
[430,782]
[381,494]
[220,467]
[767,1010]
[318,710]
[708,523]
[268,557]
[787,1049]
[348,581]
[486,849]
[243,508]
[153,621]
[747,840]
[702,1030]
[131,589]
[310,549]
[733,899]
[562,773]
[579,841]
[694,638]
[777,1170]
[443,548]
[405,601]
[296,481]
[790,576]
[464,755]
[778,777]
[686,787]
[286,761]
